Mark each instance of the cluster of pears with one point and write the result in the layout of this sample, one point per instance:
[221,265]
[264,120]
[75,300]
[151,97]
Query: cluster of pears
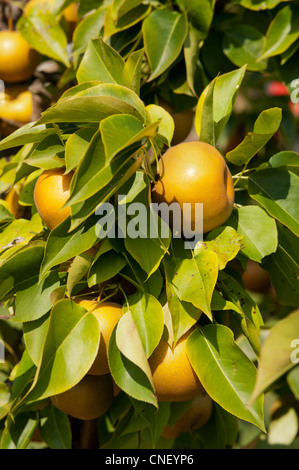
[192,172]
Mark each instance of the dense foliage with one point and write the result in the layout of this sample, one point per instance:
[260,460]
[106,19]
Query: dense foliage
[102,119]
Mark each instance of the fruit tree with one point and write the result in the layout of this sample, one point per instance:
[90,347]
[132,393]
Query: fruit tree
[149,256]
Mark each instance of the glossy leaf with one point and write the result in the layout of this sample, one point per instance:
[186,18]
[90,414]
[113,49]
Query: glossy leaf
[147,236]
[124,22]
[243,44]
[34,335]
[164,33]
[258,230]
[89,28]
[182,315]
[215,105]
[132,71]
[126,374]
[105,267]
[121,7]
[33,299]
[225,372]
[22,265]
[19,435]
[26,135]
[147,314]
[43,33]
[264,128]
[200,18]
[46,153]
[62,246]
[100,63]
[94,102]
[76,146]
[166,125]
[62,365]
[201,272]
[82,210]
[282,32]
[78,269]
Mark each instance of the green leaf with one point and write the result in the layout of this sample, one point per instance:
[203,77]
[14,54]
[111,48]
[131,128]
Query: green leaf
[200,18]
[148,317]
[258,230]
[264,128]
[277,190]
[27,134]
[278,353]
[134,380]
[44,34]
[283,31]
[23,264]
[82,210]
[46,153]
[88,28]
[62,246]
[21,231]
[107,155]
[164,33]
[215,104]
[105,267]
[113,140]
[204,120]
[283,268]
[78,269]
[33,299]
[18,435]
[147,236]
[94,102]
[132,71]
[286,159]
[23,375]
[191,51]
[55,428]
[224,241]
[130,344]
[201,272]
[179,316]
[61,366]
[283,429]
[166,125]
[156,419]
[122,7]
[244,308]
[225,371]
[258,4]
[34,335]
[125,21]
[76,146]
[4,399]
[100,63]
[243,44]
